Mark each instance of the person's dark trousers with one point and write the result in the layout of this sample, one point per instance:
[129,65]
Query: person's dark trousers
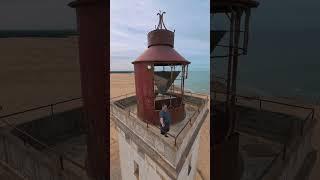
[164,129]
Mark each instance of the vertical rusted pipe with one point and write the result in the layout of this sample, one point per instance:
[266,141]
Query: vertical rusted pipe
[246,31]
[260,104]
[235,66]
[5,149]
[301,127]
[284,152]
[94,57]
[228,118]
[312,116]
[61,162]
[51,106]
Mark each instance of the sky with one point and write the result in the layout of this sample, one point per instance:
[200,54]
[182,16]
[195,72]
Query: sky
[132,20]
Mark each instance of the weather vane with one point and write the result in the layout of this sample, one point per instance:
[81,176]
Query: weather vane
[161,23]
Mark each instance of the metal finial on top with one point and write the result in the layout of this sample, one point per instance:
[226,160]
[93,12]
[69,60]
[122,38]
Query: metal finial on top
[161,23]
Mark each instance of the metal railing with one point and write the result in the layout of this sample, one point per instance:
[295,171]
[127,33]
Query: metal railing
[62,157]
[282,155]
[304,123]
[262,100]
[188,122]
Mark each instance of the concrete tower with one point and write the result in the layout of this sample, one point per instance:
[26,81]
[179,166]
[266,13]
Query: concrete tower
[145,153]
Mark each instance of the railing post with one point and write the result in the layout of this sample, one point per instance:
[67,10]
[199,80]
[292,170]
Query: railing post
[260,104]
[51,106]
[284,152]
[61,162]
[5,148]
[24,142]
[301,130]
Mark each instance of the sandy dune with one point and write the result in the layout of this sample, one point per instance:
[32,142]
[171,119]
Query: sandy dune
[34,72]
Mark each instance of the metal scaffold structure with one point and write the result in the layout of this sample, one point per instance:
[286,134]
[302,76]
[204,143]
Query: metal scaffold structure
[235,35]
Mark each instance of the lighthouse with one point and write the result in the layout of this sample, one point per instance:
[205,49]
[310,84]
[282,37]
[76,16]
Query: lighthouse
[156,70]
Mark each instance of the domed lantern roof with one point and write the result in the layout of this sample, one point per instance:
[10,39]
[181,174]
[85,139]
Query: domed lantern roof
[161,47]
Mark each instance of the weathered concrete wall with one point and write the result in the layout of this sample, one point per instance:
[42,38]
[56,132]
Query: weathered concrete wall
[193,131]
[296,152]
[33,164]
[296,156]
[52,130]
[130,153]
[166,150]
[191,160]
[8,173]
[141,144]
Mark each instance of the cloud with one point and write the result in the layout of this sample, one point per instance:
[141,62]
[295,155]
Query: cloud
[132,20]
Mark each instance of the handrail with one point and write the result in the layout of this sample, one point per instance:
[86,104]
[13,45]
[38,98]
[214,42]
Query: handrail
[39,107]
[147,123]
[264,100]
[188,122]
[61,155]
[122,95]
[269,166]
[303,123]
[312,109]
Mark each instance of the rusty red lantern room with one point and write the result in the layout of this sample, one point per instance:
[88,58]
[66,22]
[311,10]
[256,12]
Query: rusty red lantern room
[156,71]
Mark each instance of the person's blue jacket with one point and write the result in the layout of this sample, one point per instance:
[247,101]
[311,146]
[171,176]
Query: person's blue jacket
[166,117]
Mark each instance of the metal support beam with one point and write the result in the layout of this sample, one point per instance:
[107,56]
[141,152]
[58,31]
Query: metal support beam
[230,61]
[235,68]
[246,31]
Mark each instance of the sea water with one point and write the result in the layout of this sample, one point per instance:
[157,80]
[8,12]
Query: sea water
[198,81]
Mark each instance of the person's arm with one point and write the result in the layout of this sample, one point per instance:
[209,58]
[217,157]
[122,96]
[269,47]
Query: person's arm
[161,121]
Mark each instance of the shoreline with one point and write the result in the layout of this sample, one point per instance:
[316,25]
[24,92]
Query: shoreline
[203,91]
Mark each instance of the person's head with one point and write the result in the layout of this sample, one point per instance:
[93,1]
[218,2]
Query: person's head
[164,107]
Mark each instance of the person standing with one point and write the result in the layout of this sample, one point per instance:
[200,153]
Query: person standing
[165,120]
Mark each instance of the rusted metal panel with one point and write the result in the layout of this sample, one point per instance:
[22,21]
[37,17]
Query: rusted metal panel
[144,91]
[94,67]
[177,114]
[161,37]
[225,6]
[161,55]
[164,79]
[160,52]
[225,156]
[215,38]
[226,159]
